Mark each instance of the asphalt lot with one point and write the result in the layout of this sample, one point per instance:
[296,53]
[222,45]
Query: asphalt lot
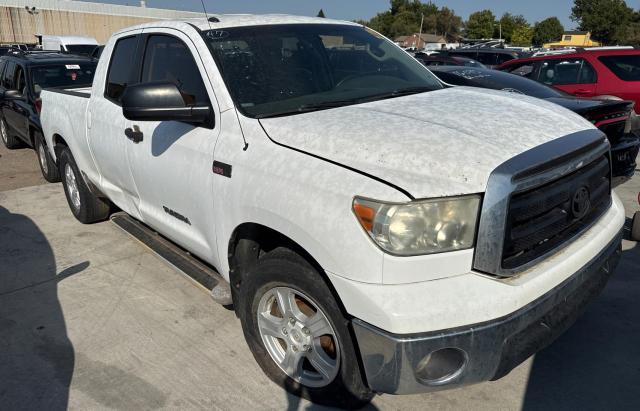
[91,319]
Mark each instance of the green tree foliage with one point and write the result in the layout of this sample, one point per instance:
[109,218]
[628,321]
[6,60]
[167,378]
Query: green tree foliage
[547,30]
[321,14]
[404,17]
[510,24]
[480,25]
[609,21]
[522,36]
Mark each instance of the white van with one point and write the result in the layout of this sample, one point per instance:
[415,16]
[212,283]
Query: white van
[69,44]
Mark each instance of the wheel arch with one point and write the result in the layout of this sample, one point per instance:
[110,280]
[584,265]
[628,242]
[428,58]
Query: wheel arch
[249,241]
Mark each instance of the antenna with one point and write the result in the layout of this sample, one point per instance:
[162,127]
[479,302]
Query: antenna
[206,15]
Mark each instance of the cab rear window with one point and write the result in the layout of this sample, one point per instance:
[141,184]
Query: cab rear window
[62,75]
[626,68]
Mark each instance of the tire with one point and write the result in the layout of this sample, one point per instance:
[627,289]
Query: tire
[635,227]
[85,206]
[8,140]
[282,272]
[48,167]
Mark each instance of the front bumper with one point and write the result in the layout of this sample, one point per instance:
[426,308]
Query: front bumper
[405,364]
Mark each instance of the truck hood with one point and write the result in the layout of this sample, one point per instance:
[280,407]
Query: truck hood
[440,143]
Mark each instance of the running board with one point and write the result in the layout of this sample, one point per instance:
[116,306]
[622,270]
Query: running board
[197,271]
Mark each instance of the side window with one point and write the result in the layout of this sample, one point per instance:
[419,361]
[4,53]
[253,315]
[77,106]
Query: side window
[7,79]
[168,59]
[2,64]
[524,70]
[120,68]
[566,71]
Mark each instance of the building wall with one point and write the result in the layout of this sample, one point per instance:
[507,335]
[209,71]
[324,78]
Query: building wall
[63,17]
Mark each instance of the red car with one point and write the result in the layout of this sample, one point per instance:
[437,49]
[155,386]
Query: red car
[585,73]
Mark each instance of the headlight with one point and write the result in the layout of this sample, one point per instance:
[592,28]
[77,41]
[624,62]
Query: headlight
[420,227]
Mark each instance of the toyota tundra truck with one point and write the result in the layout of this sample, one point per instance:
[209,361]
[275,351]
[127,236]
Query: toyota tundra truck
[371,236]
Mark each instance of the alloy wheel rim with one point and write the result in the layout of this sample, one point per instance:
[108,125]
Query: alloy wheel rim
[42,156]
[3,131]
[72,186]
[299,337]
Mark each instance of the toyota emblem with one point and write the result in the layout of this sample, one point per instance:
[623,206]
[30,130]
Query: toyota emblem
[581,202]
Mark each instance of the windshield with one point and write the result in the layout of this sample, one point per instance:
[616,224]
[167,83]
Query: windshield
[86,49]
[62,75]
[288,69]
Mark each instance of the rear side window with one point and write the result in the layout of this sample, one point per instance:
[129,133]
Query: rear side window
[121,67]
[566,71]
[168,59]
[626,68]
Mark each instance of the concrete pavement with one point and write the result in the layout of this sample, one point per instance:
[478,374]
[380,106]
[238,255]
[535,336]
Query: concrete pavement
[91,319]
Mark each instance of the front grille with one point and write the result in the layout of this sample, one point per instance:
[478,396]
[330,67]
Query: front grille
[541,219]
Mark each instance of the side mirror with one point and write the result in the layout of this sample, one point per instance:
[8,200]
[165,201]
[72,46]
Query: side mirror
[12,95]
[161,102]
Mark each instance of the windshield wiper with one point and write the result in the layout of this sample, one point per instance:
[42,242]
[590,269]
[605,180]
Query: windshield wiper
[398,93]
[306,108]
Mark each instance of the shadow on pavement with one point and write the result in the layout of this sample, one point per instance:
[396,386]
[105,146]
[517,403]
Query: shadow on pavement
[36,356]
[595,365]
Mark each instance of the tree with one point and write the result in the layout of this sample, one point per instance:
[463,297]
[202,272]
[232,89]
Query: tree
[607,20]
[509,24]
[480,25]
[404,18]
[447,22]
[547,30]
[522,36]
[320,13]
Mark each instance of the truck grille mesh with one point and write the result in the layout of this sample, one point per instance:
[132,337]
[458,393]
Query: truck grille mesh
[543,218]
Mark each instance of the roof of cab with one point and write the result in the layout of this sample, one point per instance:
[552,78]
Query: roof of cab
[240,20]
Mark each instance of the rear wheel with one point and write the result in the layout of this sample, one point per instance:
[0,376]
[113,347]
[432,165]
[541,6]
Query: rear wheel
[635,227]
[48,167]
[84,205]
[8,140]
[297,332]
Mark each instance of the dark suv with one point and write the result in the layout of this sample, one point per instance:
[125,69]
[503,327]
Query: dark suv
[23,75]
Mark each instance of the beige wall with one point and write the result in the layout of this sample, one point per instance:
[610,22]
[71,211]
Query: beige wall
[18,26]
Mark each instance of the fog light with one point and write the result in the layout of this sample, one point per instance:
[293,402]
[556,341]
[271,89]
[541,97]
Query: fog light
[441,366]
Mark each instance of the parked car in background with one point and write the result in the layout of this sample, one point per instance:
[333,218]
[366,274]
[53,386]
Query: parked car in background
[613,117]
[23,76]
[69,44]
[489,56]
[369,240]
[585,73]
[444,59]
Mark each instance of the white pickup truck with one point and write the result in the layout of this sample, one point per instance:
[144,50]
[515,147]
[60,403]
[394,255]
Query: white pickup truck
[380,232]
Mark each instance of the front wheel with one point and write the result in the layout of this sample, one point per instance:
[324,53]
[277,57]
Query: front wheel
[84,205]
[297,332]
[8,140]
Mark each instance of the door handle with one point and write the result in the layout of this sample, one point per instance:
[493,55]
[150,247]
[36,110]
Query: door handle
[582,91]
[134,134]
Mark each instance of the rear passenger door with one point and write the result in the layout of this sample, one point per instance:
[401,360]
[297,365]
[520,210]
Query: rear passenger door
[172,164]
[106,124]
[573,75]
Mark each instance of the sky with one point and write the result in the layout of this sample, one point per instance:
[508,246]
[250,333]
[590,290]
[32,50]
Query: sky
[533,10]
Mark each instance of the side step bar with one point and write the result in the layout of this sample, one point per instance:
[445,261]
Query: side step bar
[202,274]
